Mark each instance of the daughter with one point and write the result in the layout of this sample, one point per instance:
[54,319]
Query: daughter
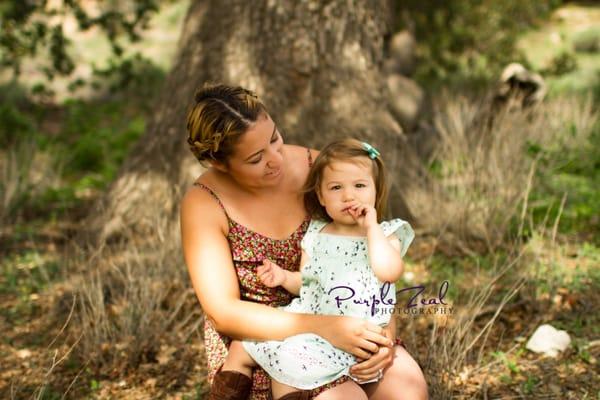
[348,267]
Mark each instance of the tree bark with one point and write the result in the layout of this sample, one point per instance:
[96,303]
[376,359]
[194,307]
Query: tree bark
[317,65]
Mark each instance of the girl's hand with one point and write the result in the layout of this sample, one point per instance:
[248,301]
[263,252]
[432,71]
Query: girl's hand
[270,274]
[364,215]
[356,336]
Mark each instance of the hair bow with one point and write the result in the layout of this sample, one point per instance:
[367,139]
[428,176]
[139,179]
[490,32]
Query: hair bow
[372,151]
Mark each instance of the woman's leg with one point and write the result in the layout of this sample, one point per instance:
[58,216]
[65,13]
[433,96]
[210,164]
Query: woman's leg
[403,380]
[344,391]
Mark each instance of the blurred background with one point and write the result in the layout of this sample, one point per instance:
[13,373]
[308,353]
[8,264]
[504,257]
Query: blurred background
[486,112]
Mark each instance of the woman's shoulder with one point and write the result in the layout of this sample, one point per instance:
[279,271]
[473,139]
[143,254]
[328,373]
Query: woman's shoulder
[300,161]
[300,154]
[199,202]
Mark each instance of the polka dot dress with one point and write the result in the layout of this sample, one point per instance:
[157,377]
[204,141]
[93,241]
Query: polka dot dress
[337,280]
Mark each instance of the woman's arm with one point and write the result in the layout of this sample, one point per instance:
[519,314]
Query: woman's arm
[208,258]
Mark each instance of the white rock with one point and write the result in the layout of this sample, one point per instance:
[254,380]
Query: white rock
[548,340]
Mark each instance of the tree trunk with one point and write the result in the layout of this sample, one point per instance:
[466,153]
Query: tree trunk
[317,65]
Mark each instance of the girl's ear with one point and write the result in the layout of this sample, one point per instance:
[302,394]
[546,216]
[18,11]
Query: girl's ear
[219,166]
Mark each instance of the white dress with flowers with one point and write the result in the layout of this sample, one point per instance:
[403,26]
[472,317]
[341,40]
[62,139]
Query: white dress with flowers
[336,280]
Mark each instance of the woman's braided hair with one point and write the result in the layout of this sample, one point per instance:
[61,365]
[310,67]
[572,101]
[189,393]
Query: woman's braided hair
[219,116]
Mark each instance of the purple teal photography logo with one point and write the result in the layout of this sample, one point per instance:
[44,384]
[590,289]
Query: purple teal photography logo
[416,302]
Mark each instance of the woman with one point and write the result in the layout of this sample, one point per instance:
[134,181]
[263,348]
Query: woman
[248,207]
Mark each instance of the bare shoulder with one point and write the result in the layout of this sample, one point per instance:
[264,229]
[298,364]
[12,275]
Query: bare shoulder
[198,205]
[300,152]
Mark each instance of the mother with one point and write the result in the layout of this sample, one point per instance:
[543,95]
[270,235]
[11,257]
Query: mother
[246,207]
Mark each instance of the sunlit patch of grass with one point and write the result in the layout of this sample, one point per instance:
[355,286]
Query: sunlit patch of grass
[561,35]
[569,266]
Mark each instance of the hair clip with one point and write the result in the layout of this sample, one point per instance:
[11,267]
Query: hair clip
[372,151]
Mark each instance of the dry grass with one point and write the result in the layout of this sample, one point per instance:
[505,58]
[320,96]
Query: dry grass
[133,299]
[25,173]
[481,171]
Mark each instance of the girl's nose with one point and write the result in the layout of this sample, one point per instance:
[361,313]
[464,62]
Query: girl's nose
[348,195]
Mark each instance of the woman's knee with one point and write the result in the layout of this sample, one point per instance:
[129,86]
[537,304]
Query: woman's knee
[344,391]
[406,371]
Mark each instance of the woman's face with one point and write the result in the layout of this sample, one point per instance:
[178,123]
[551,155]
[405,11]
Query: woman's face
[257,160]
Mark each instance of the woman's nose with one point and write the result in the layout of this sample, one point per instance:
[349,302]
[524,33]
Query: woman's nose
[274,159]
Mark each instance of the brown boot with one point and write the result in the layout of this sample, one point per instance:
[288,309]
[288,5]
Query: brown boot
[298,395]
[230,385]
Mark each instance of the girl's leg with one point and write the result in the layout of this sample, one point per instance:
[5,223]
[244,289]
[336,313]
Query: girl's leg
[234,379]
[344,391]
[403,380]
[238,360]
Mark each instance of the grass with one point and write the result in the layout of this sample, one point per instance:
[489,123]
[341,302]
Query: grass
[489,204]
[563,34]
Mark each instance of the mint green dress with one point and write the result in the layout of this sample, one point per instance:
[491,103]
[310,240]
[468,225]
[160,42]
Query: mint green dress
[336,280]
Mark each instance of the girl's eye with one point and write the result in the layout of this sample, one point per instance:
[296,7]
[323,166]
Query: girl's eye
[336,187]
[255,161]
[276,138]
[360,185]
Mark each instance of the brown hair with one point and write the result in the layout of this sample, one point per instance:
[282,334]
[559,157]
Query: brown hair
[343,150]
[220,115]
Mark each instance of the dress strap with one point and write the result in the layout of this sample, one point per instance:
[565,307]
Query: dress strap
[310,160]
[213,194]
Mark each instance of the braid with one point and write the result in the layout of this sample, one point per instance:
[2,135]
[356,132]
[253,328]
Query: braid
[220,115]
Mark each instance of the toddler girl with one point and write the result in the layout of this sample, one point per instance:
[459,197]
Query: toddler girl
[349,265]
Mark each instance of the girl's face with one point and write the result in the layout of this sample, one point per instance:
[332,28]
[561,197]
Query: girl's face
[257,160]
[344,182]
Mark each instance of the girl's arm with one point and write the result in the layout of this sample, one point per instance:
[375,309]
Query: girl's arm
[384,255]
[384,252]
[208,258]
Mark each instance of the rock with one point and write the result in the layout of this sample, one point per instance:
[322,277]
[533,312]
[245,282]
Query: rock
[548,340]
[406,100]
[520,85]
[402,56]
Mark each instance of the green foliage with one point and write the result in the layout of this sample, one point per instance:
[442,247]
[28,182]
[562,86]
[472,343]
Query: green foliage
[588,40]
[28,27]
[468,40]
[574,171]
[136,75]
[563,63]
[530,384]
[96,138]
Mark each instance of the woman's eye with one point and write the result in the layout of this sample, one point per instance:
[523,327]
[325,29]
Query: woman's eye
[255,161]
[276,138]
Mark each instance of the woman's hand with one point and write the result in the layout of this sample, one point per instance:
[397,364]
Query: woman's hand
[270,274]
[358,337]
[369,369]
